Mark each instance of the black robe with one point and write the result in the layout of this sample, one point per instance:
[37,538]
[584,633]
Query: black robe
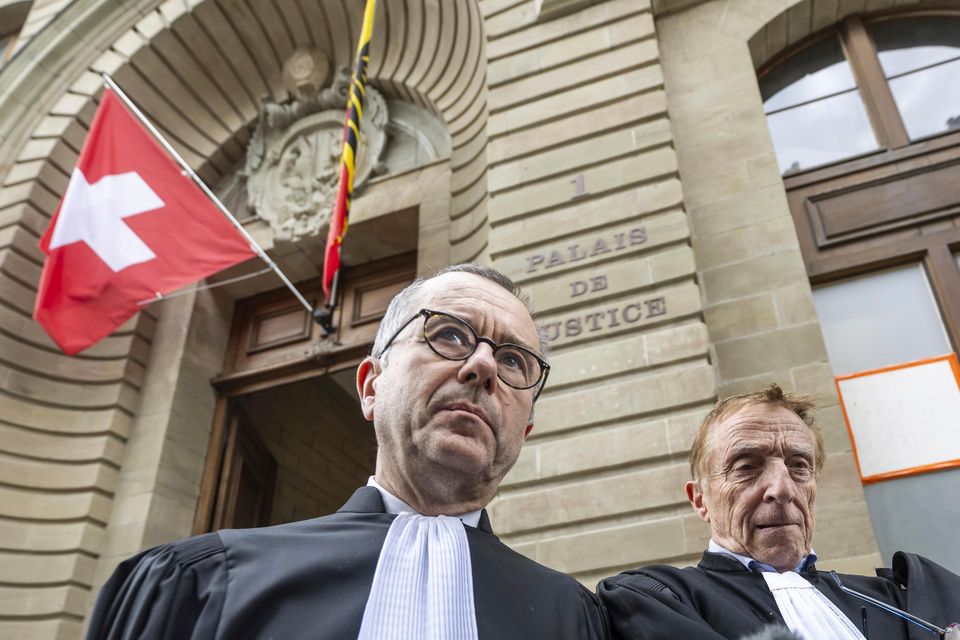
[311,579]
[720,598]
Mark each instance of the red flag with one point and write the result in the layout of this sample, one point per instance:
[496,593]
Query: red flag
[130,225]
[348,156]
[338,228]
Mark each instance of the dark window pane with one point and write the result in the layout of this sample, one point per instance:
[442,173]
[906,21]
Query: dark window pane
[921,57]
[815,72]
[912,43]
[820,132]
[929,100]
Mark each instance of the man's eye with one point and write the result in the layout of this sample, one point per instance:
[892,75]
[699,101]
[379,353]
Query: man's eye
[512,360]
[801,469]
[744,469]
[451,334]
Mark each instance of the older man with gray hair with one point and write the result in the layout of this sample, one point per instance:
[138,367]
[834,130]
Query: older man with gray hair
[450,387]
[754,465]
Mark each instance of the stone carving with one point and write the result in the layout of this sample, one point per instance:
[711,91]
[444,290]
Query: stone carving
[292,164]
[306,72]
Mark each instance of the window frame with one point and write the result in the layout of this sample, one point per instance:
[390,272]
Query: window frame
[872,86]
[932,238]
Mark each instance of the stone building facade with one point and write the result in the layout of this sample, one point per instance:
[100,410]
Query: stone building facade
[612,156]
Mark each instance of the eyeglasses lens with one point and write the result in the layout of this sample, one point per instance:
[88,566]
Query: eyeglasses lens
[449,337]
[454,339]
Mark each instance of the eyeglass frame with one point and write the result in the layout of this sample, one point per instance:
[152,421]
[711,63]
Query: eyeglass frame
[428,313]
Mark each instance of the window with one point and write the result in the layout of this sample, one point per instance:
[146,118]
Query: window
[880,319]
[863,118]
[814,110]
[865,121]
[863,86]
[920,58]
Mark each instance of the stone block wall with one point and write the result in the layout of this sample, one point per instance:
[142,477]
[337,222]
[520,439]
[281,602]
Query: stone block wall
[757,301]
[158,479]
[64,420]
[587,214]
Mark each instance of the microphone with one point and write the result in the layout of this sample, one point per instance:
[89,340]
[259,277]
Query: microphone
[952,632]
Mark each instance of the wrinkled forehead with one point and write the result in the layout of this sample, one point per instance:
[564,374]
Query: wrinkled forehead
[489,308]
[766,428]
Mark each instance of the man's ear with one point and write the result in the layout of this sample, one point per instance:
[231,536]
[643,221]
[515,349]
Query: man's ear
[695,496]
[367,373]
[526,432]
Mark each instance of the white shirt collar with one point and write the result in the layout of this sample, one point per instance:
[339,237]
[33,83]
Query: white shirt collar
[395,505]
[750,563]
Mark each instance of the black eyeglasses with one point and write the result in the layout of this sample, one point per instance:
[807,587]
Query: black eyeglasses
[452,338]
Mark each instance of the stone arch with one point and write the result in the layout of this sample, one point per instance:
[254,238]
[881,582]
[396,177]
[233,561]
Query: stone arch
[198,69]
[214,62]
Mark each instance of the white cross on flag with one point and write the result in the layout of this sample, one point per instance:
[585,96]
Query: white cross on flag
[130,225]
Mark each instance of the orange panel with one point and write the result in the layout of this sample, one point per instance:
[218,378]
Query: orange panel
[911,471]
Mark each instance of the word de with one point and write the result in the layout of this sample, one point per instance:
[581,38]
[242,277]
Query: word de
[580,287]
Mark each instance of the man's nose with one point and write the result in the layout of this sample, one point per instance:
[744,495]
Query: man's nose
[480,368]
[778,483]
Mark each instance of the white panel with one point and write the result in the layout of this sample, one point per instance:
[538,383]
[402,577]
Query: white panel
[903,418]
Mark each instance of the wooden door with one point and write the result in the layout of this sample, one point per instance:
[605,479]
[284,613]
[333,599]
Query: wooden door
[245,488]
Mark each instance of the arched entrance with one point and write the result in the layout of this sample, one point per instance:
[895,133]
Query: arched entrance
[122,427]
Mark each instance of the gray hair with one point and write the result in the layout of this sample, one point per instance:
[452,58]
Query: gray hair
[404,304]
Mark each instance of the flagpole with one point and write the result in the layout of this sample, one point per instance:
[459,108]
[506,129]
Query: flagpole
[203,187]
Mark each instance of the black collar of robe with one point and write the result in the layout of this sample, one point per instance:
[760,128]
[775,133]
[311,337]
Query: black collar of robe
[368,500]
[720,598]
[711,561]
[311,579]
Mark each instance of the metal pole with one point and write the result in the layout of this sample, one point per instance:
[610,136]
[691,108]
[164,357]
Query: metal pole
[189,172]
[324,315]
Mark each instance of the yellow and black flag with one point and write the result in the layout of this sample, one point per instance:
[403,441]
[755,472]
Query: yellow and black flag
[348,156]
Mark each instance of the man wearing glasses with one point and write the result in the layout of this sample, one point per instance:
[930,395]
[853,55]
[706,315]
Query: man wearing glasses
[449,386]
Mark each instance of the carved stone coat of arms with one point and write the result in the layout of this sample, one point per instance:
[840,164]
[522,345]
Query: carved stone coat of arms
[292,166]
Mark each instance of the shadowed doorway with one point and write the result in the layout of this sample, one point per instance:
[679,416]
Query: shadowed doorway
[322,446]
[289,441]
[293,452]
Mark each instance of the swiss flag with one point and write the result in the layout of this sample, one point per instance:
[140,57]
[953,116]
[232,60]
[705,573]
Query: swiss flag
[130,225]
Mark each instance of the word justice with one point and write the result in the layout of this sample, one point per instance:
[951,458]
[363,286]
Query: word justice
[606,319]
